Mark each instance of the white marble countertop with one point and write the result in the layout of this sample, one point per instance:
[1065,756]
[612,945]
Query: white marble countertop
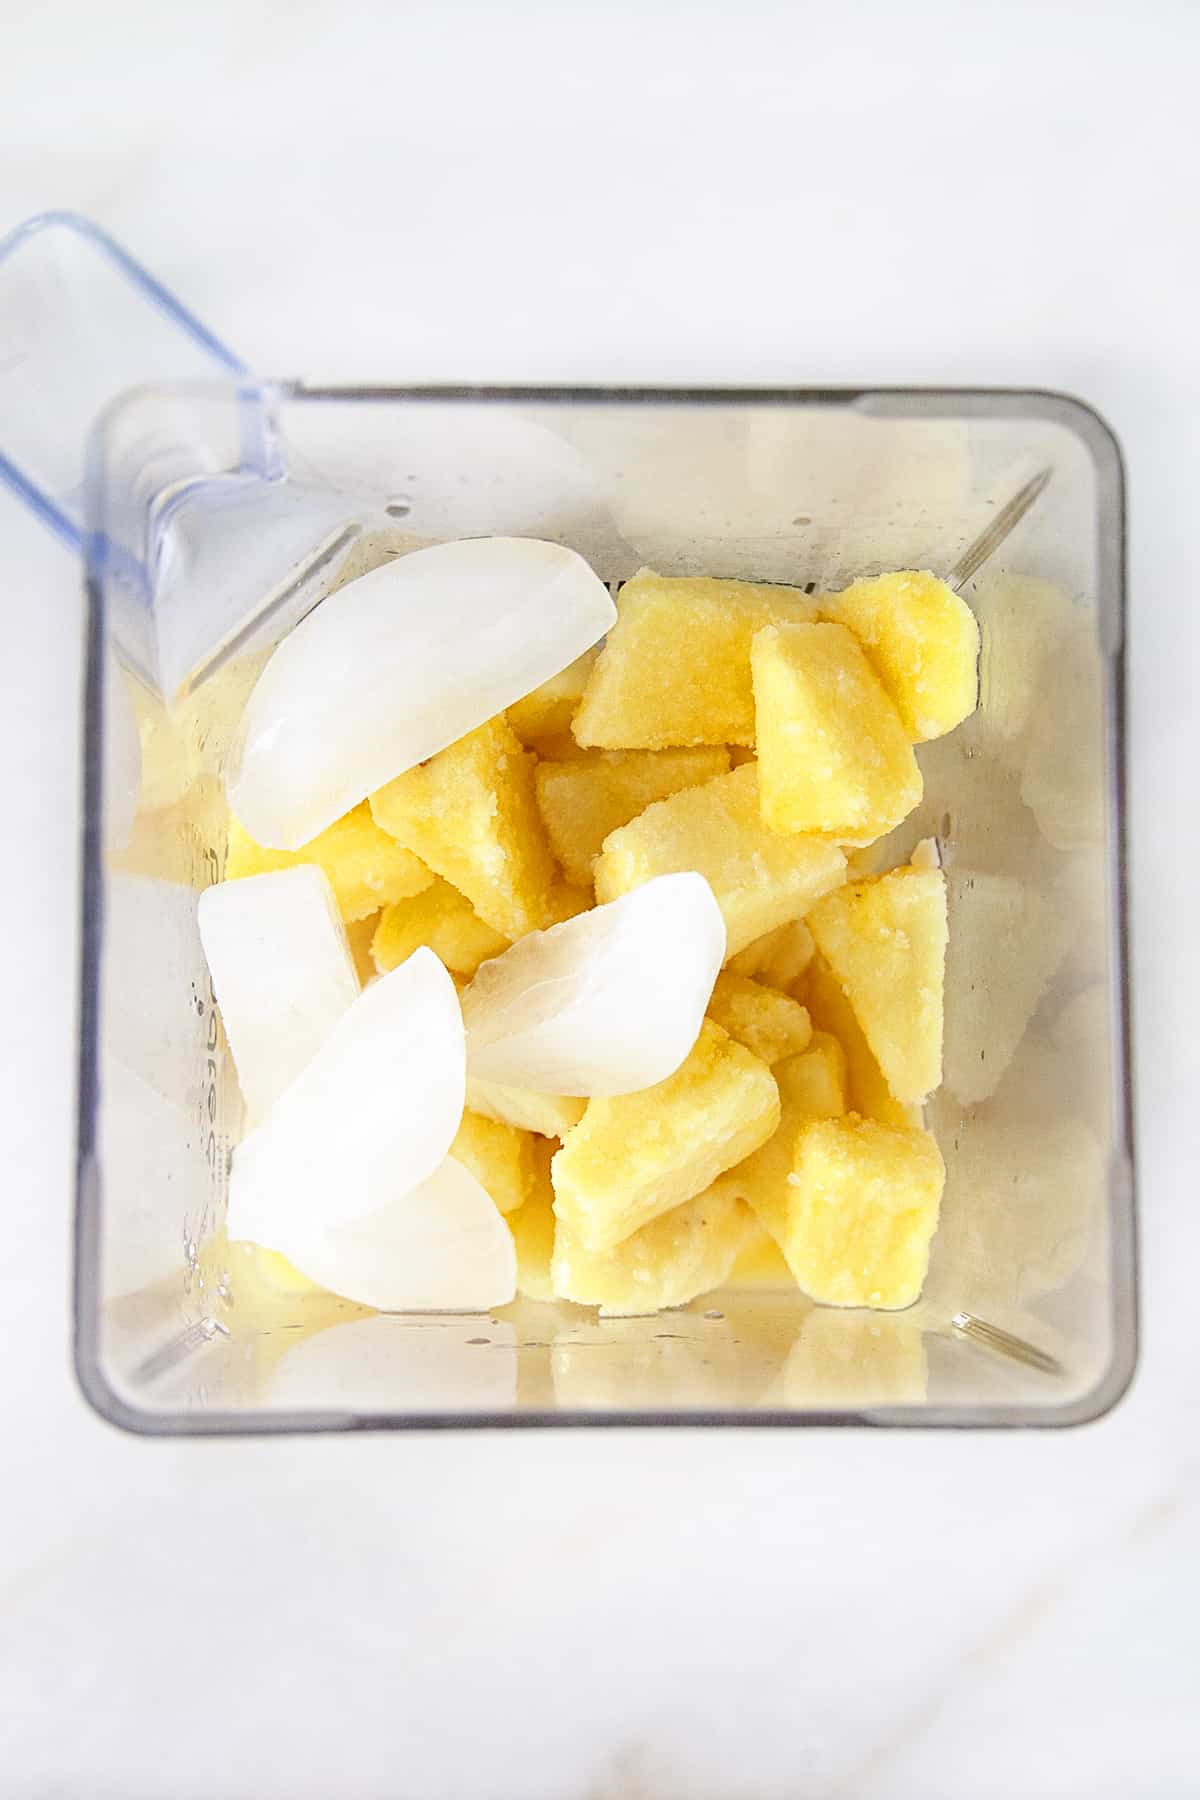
[746,194]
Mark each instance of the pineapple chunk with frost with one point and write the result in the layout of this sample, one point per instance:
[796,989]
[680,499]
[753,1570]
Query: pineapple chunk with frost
[685,1252]
[366,868]
[760,1263]
[636,1156]
[533,1229]
[922,641]
[862,1208]
[547,1115]
[760,879]
[867,1091]
[552,706]
[1006,941]
[560,747]
[833,755]
[777,959]
[443,919]
[885,942]
[582,801]
[770,1023]
[360,934]
[471,815]
[811,1086]
[501,1158]
[676,666]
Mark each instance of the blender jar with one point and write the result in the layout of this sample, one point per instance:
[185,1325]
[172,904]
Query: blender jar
[216,514]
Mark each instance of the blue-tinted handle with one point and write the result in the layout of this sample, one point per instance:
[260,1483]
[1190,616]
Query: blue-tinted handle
[80,322]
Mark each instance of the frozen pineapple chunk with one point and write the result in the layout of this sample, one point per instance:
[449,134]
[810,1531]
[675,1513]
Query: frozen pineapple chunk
[811,1086]
[582,801]
[862,1208]
[501,1158]
[676,665]
[636,1156]
[360,935]
[779,958]
[770,1023]
[471,815]
[686,1252]
[833,755]
[867,1091]
[761,879]
[885,941]
[922,641]
[533,1227]
[760,1263]
[443,919]
[366,868]
[551,707]
[548,1115]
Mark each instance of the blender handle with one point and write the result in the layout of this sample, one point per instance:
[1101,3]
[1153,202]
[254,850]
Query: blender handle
[81,321]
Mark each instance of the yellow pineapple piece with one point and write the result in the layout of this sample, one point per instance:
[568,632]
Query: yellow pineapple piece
[760,879]
[833,755]
[501,1158]
[811,1086]
[885,941]
[922,641]
[547,1115]
[582,801]
[867,1091]
[862,1207]
[366,868]
[471,815]
[637,1155]
[360,935]
[770,1023]
[551,707]
[445,921]
[559,747]
[675,668]
[533,1228]
[760,1263]
[566,902]
[779,958]
[683,1253]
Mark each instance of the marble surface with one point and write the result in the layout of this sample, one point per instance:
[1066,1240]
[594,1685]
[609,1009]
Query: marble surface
[747,194]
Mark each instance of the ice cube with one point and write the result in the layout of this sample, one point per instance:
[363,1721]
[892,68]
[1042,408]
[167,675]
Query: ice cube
[372,1115]
[606,1003]
[441,1247]
[283,974]
[399,664]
